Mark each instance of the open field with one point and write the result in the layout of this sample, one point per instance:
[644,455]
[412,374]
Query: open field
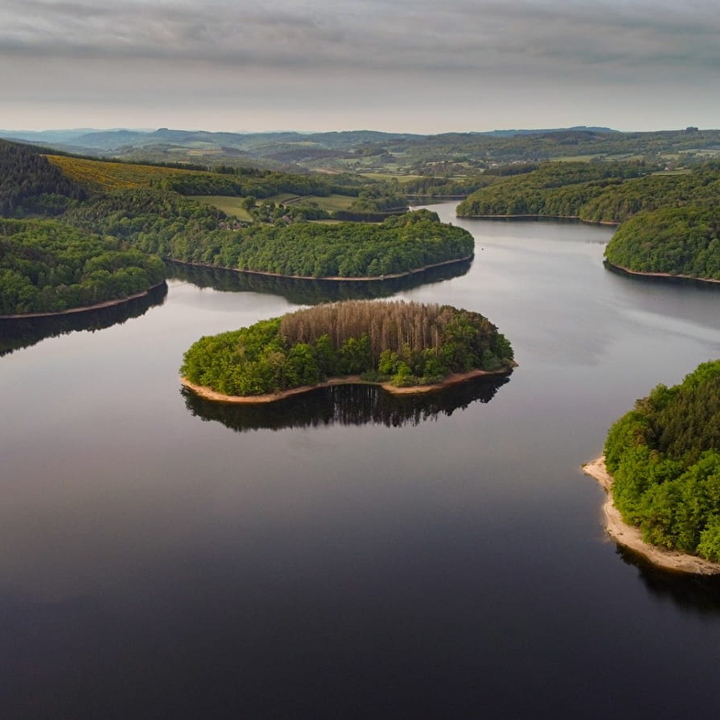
[326,202]
[572,158]
[232,205]
[227,203]
[390,176]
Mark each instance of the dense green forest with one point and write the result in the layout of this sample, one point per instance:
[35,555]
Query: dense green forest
[30,184]
[554,189]
[665,459]
[49,266]
[175,228]
[677,241]
[407,343]
[603,192]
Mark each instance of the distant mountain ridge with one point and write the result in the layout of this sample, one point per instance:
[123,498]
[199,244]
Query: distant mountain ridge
[116,138]
[384,154]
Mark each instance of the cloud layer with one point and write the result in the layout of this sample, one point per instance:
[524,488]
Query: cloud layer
[494,44]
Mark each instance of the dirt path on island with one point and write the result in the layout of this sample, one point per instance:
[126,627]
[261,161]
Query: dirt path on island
[630,536]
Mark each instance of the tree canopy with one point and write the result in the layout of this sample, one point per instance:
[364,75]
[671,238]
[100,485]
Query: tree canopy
[559,189]
[179,229]
[665,459]
[30,184]
[49,266]
[677,241]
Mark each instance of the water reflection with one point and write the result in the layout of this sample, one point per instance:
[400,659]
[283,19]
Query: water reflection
[695,594]
[16,334]
[312,292]
[346,405]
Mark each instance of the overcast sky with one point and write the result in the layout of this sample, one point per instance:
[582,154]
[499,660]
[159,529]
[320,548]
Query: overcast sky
[401,65]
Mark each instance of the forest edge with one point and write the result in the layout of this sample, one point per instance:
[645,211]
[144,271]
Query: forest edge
[85,308]
[631,537]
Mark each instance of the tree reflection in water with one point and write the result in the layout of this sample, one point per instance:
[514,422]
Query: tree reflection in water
[312,292]
[16,334]
[346,405]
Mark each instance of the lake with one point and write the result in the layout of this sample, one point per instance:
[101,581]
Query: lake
[349,555]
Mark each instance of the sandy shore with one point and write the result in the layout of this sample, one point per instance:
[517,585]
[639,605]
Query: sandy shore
[369,278]
[631,537]
[210,394]
[86,308]
[659,274]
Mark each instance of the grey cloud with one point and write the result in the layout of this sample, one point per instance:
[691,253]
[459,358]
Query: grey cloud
[371,35]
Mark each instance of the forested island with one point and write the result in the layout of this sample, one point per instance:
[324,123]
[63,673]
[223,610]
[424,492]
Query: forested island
[663,472]
[397,344]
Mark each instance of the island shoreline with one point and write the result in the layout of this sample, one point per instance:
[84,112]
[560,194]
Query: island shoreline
[84,308]
[630,537]
[662,276]
[453,379]
[369,278]
[577,218]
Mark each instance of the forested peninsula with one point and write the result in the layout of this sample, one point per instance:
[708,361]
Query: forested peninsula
[663,460]
[677,242]
[110,217]
[49,267]
[175,228]
[668,222]
[396,344]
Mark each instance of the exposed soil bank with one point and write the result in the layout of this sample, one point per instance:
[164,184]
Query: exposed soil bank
[210,394]
[664,276]
[85,308]
[630,536]
[372,278]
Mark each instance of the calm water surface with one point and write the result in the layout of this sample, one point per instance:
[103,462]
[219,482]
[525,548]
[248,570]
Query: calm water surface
[349,555]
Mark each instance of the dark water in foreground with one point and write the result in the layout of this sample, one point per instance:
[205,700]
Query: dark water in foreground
[350,556]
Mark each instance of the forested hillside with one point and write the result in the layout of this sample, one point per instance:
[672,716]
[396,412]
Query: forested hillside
[106,175]
[49,266]
[665,459]
[676,241]
[553,189]
[408,343]
[30,184]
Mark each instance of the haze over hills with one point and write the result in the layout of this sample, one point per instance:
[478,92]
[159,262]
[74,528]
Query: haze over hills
[369,151]
[114,137]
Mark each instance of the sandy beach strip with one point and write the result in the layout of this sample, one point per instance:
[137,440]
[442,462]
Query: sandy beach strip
[454,379]
[631,537]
